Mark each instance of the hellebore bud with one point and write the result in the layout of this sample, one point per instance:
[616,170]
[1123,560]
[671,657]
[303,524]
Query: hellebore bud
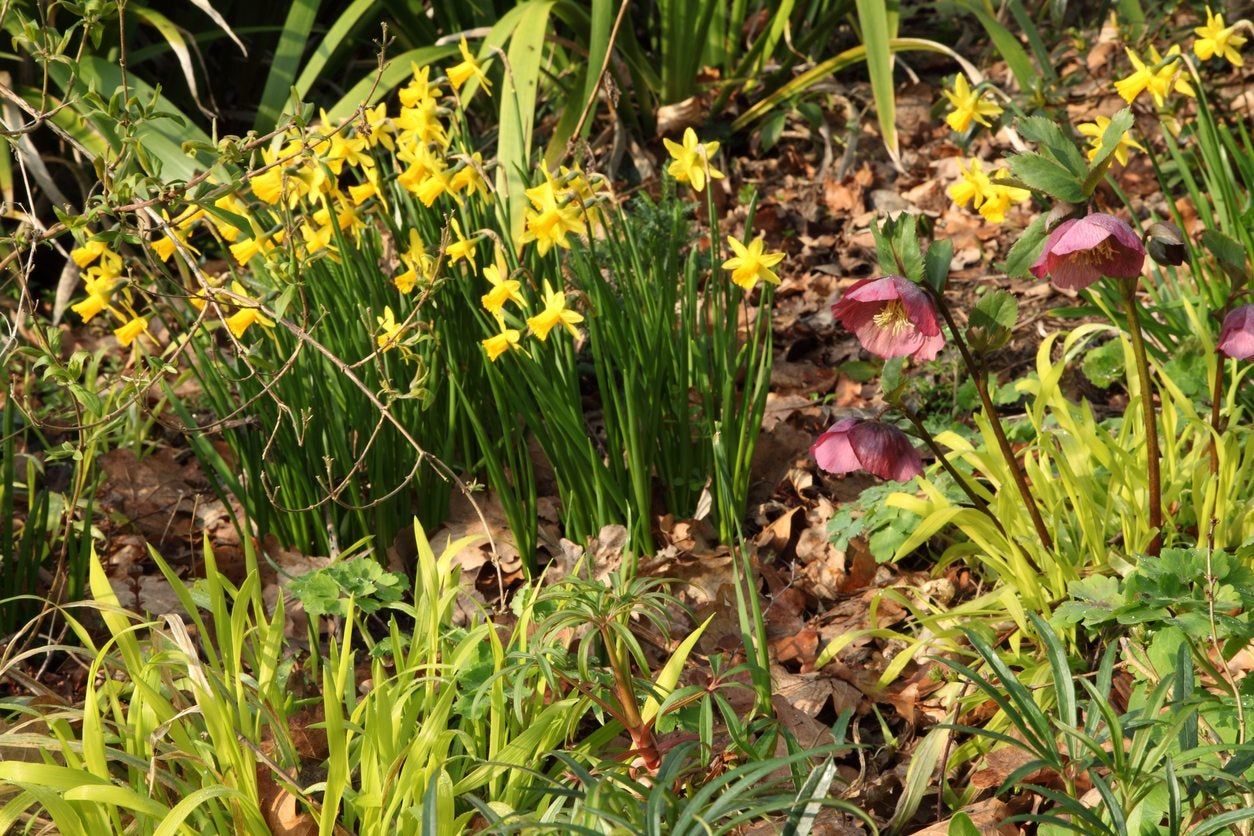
[1166,245]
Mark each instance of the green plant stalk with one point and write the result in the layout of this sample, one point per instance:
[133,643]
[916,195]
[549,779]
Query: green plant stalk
[1003,443]
[959,479]
[1153,457]
[1216,394]
[748,603]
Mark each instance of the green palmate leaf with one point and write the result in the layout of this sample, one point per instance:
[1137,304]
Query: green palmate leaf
[1105,364]
[1050,136]
[1119,125]
[1227,251]
[992,321]
[1026,250]
[1047,176]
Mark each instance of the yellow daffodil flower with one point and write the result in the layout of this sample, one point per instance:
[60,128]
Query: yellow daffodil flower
[1094,130]
[999,198]
[418,264]
[352,151]
[751,263]
[502,342]
[973,188]
[460,248]
[228,203]
[468,178]
[128,332]
[459,74]
[90,251]
[378,128]
[1216,39]
[244,250]
[549,221]
[247,315]
[968,106]
[362,192]
[165,246]
[432,186]
[555,313]
[991,198]
[1159,77]
[504,289]
[691,163]
[419,89]
[92,305]
[389,330]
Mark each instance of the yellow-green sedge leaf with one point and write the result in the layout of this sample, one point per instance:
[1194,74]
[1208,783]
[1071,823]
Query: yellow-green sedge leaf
[919,776]
[178,814]
[117,796]
[668,676]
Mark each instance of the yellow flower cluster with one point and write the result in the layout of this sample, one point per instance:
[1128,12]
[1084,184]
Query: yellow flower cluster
[986,192]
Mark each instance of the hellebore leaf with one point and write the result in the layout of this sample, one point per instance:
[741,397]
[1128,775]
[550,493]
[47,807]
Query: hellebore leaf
[992,321]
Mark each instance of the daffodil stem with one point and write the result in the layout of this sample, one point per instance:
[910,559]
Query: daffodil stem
[1148,413]
[990,411]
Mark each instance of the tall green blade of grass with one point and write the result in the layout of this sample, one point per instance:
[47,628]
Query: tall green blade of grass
[287,55]
[518,107]
[877,24]
[340,33]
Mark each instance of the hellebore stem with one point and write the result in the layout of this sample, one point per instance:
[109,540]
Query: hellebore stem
[990,411]
[1215,396]
[1152,455]
[959,479]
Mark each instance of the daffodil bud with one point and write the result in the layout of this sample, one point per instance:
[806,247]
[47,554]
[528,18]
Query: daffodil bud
[1166,245]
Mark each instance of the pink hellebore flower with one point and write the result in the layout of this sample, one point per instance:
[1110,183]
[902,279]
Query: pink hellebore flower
[1079,252]
[1236,339]
[892,317]
[856,444]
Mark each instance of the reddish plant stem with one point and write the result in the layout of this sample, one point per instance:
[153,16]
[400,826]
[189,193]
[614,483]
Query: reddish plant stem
[1152,455]
[1012,461]
[1215,396]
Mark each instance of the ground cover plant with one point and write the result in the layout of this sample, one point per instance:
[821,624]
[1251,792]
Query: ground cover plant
[626,418]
